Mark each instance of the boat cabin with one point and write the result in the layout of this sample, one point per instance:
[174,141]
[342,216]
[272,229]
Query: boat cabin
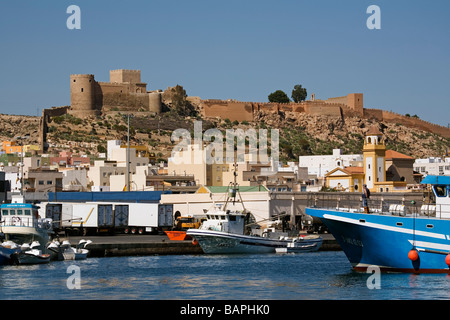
[225,221]
[19,214]
[440,185]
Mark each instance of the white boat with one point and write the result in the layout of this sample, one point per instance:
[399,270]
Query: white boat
[65,251]
[25,254]
[227,231]
[301,244]
[223,232]
[20,223]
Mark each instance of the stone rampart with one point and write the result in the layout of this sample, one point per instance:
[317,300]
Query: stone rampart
[389,116]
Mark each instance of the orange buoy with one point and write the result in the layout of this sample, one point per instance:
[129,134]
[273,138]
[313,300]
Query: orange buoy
[194,242]
[447,259]
[413,255]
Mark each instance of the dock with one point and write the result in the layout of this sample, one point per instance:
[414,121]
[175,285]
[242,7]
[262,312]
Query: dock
[140,245]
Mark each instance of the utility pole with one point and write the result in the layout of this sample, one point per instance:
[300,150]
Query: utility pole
[128,154]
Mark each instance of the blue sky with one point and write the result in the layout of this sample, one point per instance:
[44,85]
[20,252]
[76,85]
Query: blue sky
[232,49]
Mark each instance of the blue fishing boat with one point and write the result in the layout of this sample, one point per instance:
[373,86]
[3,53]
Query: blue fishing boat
[417,242]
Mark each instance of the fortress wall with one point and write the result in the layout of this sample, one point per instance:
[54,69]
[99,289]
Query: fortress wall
[341,100]
[232,110]
[126,101]
[323,109]
[382,115]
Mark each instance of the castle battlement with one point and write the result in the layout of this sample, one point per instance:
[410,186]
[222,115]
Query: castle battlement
[82,75]
[127,70]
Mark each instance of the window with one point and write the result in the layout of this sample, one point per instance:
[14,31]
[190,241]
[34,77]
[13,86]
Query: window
[82,90]
[19,212]
[441,191]
[41,182]
[12,212]
[49,182]
[27,212]
[232,218]
[5,212]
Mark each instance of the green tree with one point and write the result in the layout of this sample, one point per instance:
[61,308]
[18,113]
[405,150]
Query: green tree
[299,93]
[179,102]
[279,96]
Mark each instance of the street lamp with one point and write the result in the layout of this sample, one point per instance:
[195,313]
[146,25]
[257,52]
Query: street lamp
[21,138]
[128,151]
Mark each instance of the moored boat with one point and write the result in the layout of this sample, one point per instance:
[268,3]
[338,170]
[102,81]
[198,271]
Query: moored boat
[228,231]
[30,254]
[301,244]
[417,242]
[65,251]
[20,223]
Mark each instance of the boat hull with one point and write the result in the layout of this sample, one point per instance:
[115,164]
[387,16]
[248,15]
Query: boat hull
[385,240]
[25,259]
[5,255]
[217,242]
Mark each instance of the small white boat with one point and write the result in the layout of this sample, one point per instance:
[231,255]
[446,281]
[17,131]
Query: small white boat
[301,244]
[30,254]
[65,251]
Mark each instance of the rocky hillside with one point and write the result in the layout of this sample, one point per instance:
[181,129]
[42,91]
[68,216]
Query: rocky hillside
[13,126]
[300,134]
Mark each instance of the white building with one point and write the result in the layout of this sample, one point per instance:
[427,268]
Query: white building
[321,165]
[432,166]
[112,173]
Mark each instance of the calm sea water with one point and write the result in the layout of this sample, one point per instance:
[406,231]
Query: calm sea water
[320,275]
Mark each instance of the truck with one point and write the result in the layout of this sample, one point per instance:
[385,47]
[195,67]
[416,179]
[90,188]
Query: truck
[100,217]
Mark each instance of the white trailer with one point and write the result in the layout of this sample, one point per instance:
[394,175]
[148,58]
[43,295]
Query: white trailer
[97,217]
[148,217]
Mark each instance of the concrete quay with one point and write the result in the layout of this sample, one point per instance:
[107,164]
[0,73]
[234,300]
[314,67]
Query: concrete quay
[135,245]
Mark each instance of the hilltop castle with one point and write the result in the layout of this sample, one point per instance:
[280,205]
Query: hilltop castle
[124,92]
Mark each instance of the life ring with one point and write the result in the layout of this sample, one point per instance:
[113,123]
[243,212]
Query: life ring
[195,242]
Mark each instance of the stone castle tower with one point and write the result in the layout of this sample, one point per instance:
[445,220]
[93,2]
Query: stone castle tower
[82,95]
[124,92]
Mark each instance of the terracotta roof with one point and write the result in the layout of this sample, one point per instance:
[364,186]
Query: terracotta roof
[391,154]
[373,131]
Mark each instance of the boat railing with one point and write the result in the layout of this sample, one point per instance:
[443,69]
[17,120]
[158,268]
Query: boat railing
[399,207]
[20,222]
